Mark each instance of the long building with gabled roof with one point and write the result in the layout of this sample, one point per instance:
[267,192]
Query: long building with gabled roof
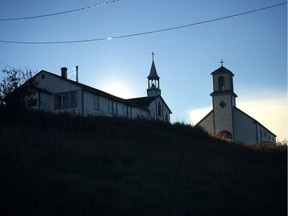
[57,93]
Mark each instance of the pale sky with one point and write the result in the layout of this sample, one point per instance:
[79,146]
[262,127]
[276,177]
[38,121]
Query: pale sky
[253,46]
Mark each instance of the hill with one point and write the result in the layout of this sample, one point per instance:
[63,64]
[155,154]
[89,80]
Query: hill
[70,165]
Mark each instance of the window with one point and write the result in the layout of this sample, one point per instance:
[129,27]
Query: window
[96,102]
[73,99]
[226,135]
[127,111]
[159,109]
[42,76]
[58,102]
[65,100]
[221,83]
[112,107]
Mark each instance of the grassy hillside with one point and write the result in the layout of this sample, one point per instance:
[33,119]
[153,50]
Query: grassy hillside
[67,165]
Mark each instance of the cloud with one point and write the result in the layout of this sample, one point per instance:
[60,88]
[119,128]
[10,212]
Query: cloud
[196,115]
[271,112]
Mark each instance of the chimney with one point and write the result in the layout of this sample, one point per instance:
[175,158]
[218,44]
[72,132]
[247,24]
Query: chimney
[77,78]
[64,72]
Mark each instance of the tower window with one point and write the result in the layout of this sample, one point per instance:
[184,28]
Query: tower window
[221,83]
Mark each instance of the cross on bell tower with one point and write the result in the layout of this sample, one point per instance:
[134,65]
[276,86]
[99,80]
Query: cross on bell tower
[153,81]
[221,62]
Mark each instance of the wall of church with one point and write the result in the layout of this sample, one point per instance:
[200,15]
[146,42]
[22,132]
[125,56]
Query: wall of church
[159,110]
[207,123]
[263,135]
[244,128]
[248,130]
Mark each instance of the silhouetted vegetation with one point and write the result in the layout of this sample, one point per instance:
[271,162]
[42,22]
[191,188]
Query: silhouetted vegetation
[69,165]
[17,88]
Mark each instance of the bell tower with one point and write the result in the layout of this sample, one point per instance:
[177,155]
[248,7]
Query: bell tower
[224,101]
[153,81]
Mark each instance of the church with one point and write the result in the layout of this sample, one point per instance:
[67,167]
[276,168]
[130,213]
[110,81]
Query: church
[225,120]
[56,93]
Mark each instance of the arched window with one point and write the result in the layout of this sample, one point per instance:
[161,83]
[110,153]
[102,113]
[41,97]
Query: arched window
[225,135]
[221,83]
[152,113]
[159,109]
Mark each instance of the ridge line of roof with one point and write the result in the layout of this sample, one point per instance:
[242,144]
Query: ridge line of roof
[92,89]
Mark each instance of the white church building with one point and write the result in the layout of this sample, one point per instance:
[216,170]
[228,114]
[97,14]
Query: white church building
[57,93]
[225,120]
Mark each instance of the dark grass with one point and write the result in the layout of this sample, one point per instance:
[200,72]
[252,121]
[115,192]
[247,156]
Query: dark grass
[69,165]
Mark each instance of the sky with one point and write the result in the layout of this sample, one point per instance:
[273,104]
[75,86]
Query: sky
[253,46]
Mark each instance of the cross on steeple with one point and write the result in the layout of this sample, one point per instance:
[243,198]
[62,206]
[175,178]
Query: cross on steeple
[221,62]
[152,56]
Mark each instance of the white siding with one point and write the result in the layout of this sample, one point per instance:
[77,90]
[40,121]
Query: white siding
[59,88]
[88,99]
[139,113]
[245,128]
[263,135]
[120,109]
[207,123]
[248,130]
[55,84]
[159,110]
[223,116]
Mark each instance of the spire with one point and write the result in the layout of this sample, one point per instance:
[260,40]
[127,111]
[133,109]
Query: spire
[153,72]
[153,81]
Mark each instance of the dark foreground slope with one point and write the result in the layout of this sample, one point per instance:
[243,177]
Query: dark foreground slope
[64,165]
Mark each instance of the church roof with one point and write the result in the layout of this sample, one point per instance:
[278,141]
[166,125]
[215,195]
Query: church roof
[146,101]
[222,70]
[143,101]
[153,72]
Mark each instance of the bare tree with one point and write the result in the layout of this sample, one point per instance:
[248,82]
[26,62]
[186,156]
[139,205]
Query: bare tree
[17,87]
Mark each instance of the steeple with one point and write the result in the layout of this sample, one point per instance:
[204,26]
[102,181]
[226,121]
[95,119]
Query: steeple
[224,101]
[153,81]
